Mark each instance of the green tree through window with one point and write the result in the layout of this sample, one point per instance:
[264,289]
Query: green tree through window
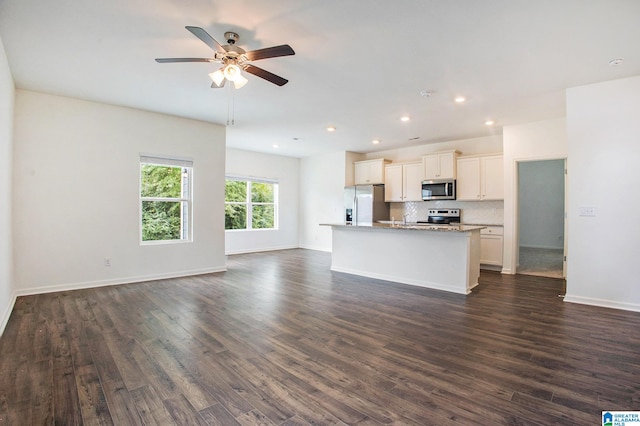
[164,200]
[250,204]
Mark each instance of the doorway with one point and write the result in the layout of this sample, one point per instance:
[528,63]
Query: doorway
[541,218]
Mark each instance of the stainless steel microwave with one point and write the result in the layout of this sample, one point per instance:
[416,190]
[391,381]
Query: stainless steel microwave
[439,189]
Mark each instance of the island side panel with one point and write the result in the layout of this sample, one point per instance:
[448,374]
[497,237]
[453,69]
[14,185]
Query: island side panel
[474,259]
[439,260]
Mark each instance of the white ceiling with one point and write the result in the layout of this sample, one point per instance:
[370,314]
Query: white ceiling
[359,64]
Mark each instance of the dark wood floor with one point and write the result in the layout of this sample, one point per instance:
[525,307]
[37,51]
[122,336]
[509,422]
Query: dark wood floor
[280,339]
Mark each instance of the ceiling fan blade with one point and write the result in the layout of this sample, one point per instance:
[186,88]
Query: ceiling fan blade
[275,79]
[168,60]
[206,38]
[214,86]
[270,52]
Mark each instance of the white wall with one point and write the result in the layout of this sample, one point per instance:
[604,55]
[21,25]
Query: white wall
[76,193]
[542,140]
[604,148]
[7,94]
[322,181]
[285,170]
[541,204]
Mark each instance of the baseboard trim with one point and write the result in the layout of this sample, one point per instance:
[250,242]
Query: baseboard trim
[316,248]
[7,313]
[542,247]
[603,303]
[118,281]
[245,251]
[486,267]
[401,280]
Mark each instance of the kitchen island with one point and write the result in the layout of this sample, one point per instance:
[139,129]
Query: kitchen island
[439,257]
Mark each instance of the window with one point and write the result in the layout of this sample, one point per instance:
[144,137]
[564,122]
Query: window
[165,199]
[250,204]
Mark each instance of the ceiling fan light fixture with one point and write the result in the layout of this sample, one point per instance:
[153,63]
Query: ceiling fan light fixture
[217,77]
[232,72]
[240,81]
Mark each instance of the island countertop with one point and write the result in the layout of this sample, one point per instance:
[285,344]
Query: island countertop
[411,227]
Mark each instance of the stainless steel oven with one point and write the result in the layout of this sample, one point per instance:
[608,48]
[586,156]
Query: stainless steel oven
[443,217]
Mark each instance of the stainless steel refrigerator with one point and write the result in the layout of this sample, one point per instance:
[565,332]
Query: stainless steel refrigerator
[364,205]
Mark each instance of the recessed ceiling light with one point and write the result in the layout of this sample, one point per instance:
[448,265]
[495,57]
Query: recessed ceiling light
[616,61]
[459,99]
[375,141]
[405,118]
[275,145]
[489,122]
[331,129]
[425,93]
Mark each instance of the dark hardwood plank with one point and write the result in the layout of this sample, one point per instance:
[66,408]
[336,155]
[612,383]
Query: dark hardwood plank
[93,404]
[217,415]
[182,412]
[65,393]
[295,421]
[121,404]
[253,418]
[152,410]
[279,339]
[197,396]
[77,336]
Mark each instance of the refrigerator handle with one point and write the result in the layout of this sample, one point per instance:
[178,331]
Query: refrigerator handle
[354,221]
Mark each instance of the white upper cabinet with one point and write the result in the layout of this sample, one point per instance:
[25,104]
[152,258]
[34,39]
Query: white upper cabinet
[412,179]
[492,177]
[370,171]
[468,182]
[403,182]
[393,188]
[440,165]
[480,178]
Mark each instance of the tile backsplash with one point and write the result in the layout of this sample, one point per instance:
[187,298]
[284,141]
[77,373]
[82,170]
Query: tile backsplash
[476,212]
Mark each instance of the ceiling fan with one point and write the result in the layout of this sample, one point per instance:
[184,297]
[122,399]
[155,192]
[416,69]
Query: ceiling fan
[235,59]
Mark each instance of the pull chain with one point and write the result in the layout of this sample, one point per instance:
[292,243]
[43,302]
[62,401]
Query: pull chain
[231,105]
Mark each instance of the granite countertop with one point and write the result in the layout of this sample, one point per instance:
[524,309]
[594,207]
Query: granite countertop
[412,227]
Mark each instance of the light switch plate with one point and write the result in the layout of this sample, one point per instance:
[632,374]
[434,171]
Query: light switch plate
[587,211]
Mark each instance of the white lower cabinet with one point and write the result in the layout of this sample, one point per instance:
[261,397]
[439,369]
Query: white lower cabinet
[491,239]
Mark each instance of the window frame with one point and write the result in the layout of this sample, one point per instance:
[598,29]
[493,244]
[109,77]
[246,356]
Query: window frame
[249,204]
[186,202]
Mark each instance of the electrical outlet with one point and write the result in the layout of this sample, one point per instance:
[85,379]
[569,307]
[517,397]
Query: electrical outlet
[587,211]
[107,261]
